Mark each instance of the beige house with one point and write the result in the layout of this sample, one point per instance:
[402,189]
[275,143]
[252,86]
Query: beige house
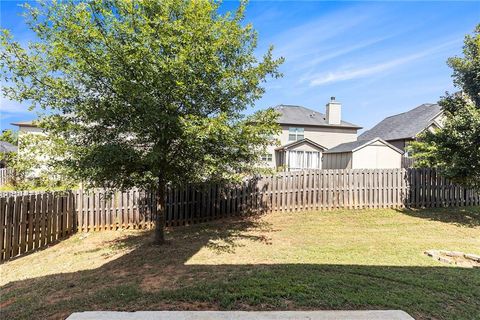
[306,134]
[35,150]
[402,128]
[363,154]
[26,127]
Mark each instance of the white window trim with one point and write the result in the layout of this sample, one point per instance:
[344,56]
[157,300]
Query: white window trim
[296,131]
[267,157]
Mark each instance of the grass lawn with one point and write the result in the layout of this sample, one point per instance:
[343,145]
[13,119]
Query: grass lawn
[370,259]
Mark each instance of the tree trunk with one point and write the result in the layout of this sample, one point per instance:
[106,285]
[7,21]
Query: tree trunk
[160,217]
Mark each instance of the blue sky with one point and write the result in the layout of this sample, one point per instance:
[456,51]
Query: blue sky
[377,58]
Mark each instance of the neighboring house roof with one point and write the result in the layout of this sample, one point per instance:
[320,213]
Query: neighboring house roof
[298,115]
[7,147]
[359,144]
[24,124]
[405,125]
[299,142]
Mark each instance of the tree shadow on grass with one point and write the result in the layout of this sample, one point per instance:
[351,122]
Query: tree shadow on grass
[151,277]
[459,216]
[226,240]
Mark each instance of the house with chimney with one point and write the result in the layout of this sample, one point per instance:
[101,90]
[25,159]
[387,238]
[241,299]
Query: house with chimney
[310,139]
[306,134]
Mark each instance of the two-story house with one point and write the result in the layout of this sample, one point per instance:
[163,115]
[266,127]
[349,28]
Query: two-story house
[306,134]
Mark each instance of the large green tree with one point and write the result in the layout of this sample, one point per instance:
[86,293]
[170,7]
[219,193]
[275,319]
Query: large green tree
[145,93]
[455,148]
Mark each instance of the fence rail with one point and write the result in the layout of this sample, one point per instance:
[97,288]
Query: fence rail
[29,221]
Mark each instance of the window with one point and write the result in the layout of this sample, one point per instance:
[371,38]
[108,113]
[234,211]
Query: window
[267,157]
[295,134]
[304,160]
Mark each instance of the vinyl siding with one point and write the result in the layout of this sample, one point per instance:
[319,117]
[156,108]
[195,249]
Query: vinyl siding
[328,137]
[337,160]
[400,144]
[376,156]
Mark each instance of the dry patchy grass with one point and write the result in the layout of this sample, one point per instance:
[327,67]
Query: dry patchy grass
[285,261]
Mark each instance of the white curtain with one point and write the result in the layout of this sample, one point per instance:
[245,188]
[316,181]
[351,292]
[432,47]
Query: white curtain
[303,160]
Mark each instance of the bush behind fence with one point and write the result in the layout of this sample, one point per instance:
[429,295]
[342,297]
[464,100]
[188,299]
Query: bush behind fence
[29,221]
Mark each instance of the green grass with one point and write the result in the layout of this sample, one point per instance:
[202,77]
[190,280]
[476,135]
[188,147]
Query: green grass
[287,261]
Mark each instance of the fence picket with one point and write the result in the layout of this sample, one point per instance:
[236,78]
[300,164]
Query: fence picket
[3,212]
[16,229]
[8,226]
[23,227]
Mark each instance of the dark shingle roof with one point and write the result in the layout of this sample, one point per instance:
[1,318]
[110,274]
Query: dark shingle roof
[7,147]
[303,116]
[355,145]
[404,125]
[347,146]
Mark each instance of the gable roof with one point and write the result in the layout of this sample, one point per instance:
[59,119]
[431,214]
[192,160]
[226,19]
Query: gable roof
[359,144]
[298,115]
[404,125]
[299,142]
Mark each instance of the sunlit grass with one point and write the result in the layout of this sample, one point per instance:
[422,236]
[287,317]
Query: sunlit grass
[380,237]
[82,251]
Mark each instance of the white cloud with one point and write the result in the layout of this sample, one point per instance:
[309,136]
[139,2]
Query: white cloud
[354,73]
[343,75]
[10,106]
[337,52]
[306,39]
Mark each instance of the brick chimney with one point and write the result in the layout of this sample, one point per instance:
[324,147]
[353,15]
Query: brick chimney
[333,111]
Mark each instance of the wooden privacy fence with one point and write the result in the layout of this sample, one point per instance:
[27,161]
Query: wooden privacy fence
[31,220]
[361,189]
[34,221]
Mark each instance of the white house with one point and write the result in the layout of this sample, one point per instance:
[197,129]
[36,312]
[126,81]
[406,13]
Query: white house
[306,134]
[28,127]
[363,154]
[35,150]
